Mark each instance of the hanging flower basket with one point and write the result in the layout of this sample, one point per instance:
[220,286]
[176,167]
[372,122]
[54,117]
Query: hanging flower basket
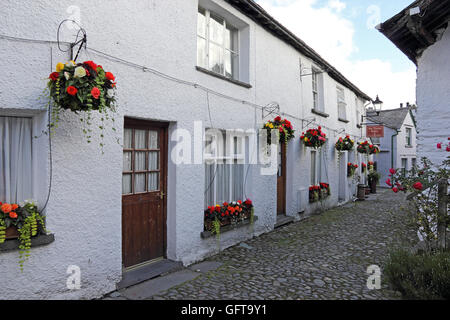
[345,144]
[351,168]
[82,87]
[366,148]
[325,190]
[20,222]
[314,194]
[284,127]
[314,138]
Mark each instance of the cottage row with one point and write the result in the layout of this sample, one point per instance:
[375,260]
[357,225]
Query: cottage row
[193,83]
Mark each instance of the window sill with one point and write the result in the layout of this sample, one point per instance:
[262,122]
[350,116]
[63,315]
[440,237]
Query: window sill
[40,240]
[320,113]
[209,234]
[409,147]
[211,73]
[343,120]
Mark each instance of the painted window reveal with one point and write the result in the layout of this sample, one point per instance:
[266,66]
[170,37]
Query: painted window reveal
[16,174]
[408,137]
[342,105]
[217,45]
[313,167]
[224,167]
[141,161]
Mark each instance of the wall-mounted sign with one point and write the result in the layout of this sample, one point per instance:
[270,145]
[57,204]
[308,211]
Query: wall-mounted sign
[375,131]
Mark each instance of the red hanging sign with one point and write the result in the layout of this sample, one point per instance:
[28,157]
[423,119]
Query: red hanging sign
[375,131]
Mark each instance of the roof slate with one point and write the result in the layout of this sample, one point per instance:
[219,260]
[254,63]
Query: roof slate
[393,118]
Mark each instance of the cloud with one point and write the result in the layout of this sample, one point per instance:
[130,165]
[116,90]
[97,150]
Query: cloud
[332,36]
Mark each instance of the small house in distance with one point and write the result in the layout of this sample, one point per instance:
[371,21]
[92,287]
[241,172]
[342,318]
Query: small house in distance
[398,142]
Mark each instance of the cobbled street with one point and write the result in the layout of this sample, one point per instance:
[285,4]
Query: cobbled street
[322,257]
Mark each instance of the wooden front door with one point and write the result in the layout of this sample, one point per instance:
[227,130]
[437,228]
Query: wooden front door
[143,192]
[281,180]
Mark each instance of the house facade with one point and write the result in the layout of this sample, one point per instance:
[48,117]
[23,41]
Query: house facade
[421,32]
[144,197]
[398,146]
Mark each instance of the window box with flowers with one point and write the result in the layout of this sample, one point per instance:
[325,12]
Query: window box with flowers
[20,225]
[284,129]
[225,217]
[319,192]
[314,138]
[351,169]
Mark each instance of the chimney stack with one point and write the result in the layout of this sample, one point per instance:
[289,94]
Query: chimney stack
[401,105]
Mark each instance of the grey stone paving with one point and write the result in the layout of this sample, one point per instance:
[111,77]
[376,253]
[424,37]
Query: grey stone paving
[322,257]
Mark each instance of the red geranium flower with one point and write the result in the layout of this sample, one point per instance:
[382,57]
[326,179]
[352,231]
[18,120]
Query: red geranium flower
[392,171]
[95,92]
[388,182]
[110,76]
[439,145]
[418,186]
[72,90]
[277,119]
[13,215]
[54,76]
[395,190]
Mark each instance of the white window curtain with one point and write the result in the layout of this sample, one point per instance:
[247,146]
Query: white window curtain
[224,169]
[16,179]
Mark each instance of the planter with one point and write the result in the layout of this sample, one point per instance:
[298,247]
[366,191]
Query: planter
[361,192]
[11,233]
[373,186]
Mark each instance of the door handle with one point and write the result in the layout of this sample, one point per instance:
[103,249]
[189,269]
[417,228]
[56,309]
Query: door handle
[162,195]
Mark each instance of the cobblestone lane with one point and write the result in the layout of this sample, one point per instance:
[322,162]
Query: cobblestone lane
[323,257]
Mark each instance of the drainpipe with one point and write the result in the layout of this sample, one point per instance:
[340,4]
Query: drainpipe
[392,147]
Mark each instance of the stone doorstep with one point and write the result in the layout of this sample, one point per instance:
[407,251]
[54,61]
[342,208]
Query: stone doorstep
[283,220]
[147,272]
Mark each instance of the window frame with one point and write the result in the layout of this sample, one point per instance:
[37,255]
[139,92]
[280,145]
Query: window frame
[313,168]
[234,42]
[341,103]
[408,134]
[237,157]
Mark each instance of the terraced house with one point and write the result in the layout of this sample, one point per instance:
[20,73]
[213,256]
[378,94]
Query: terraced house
[177,68]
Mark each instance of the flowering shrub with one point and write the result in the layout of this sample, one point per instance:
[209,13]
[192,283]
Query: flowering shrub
[227,213]
[314,138]
[365,147]
[82,87]
[345,144]
[28,222]
[284,127]
[420,180]
[351,168]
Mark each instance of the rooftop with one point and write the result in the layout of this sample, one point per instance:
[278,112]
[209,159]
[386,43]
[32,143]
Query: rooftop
[413,32]
[392,118]
[261,17]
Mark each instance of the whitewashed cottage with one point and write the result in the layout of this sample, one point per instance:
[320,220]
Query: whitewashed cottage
[422,32]
[180,67]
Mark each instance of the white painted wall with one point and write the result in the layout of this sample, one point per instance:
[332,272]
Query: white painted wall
[404,151]
[84,211]
[433,100]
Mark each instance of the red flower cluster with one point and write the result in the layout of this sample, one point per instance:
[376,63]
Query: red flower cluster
[284,126]
[365,147]
[9,209]
[227,211]
[314,138]
[351,168]
[321,191]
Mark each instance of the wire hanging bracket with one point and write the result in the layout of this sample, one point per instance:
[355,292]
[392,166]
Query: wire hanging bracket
[81,42]
[269,109]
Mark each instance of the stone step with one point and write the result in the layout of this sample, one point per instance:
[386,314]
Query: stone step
[283,220]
